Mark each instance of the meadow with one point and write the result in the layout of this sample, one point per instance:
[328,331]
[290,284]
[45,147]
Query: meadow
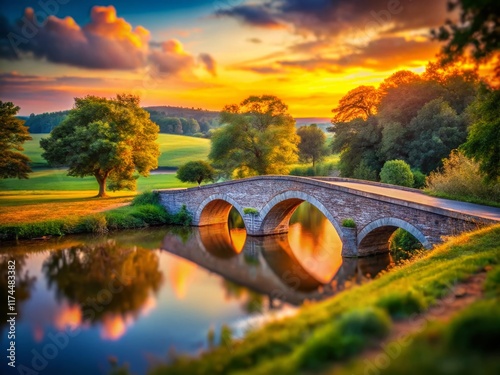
[175,150]
[50,194]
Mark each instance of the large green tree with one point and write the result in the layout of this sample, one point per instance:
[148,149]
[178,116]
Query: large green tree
[312,143]
[434,132]
[258,138]
[13,164]
[483,142]
[109,139]
[358,141]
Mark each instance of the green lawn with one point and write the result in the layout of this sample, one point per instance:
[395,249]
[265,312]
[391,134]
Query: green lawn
[175,149]
[34,152]
[56,179]
[178,149]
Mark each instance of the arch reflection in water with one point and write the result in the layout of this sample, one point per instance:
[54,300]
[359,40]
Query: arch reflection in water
[269,265]
[315,242]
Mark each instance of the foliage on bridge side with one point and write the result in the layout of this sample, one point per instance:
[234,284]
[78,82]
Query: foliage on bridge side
[144,211]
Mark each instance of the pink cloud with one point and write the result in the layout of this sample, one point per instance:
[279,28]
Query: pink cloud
[106,42]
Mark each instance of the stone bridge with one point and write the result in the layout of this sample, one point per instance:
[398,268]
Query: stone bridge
[266,204]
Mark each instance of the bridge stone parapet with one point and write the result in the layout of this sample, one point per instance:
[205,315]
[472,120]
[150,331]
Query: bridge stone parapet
[273,199]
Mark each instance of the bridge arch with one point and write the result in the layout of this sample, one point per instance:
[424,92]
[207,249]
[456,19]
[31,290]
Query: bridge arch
[277,212]
[215,210]
[374,237]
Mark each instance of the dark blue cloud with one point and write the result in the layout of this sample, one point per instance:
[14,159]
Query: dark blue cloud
[332,17]
[255,15]
[80,9]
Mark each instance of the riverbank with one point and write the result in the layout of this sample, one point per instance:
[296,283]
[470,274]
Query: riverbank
[144,210]
[332,332]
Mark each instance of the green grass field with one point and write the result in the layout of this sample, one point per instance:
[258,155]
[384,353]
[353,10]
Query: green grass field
[175,150]
[34,199]
[56,179]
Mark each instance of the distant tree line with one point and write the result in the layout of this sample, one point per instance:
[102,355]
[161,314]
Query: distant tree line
[199,126]
[44,122]
[181,125]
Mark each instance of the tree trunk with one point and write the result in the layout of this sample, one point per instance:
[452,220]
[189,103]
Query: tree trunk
[102,188]
[101,180]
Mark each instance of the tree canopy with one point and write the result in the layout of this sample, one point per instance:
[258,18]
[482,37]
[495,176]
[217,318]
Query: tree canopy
[418,119]
[483,142]
[477,30]
[258,138]
[360,102]
[196,171]
[13,164]
[109,139]
[312,143]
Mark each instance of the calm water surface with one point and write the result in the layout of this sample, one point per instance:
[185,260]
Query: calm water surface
[136,296]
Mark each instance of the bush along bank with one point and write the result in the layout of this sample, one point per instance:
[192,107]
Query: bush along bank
[144,211]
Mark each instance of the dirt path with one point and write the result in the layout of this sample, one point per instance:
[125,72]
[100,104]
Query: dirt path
[460,296]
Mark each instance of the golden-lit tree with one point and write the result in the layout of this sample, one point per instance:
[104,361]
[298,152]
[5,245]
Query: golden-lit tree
[13,164]
[258,138]
[360,102]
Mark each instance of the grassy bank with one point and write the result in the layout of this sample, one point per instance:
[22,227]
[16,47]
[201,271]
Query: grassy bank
[145,210]
[466,344]
[343,326]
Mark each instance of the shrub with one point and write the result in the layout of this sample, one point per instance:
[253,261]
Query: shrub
[151,214]
[182,217]
[121,220]
[477,329]
[460,178]
[418,179]
[226,335]
[343,338]
[492,283]
[302,171]
[397,172]
[92,224]
[148,197]
[401,305]
[323,169]
[403,245]
[364,172]
[349,223]
[44,228]
[250,211]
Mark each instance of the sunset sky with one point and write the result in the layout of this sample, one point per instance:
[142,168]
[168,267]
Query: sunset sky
[209,53]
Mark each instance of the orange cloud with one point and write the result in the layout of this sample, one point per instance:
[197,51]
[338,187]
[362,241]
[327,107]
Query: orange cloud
[106,42]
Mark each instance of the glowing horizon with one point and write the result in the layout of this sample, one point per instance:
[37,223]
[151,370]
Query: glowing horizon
[208,54]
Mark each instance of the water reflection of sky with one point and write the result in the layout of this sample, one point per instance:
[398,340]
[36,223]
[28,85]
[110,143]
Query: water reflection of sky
[168,299]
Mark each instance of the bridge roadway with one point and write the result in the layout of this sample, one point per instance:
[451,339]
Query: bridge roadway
[416,196]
